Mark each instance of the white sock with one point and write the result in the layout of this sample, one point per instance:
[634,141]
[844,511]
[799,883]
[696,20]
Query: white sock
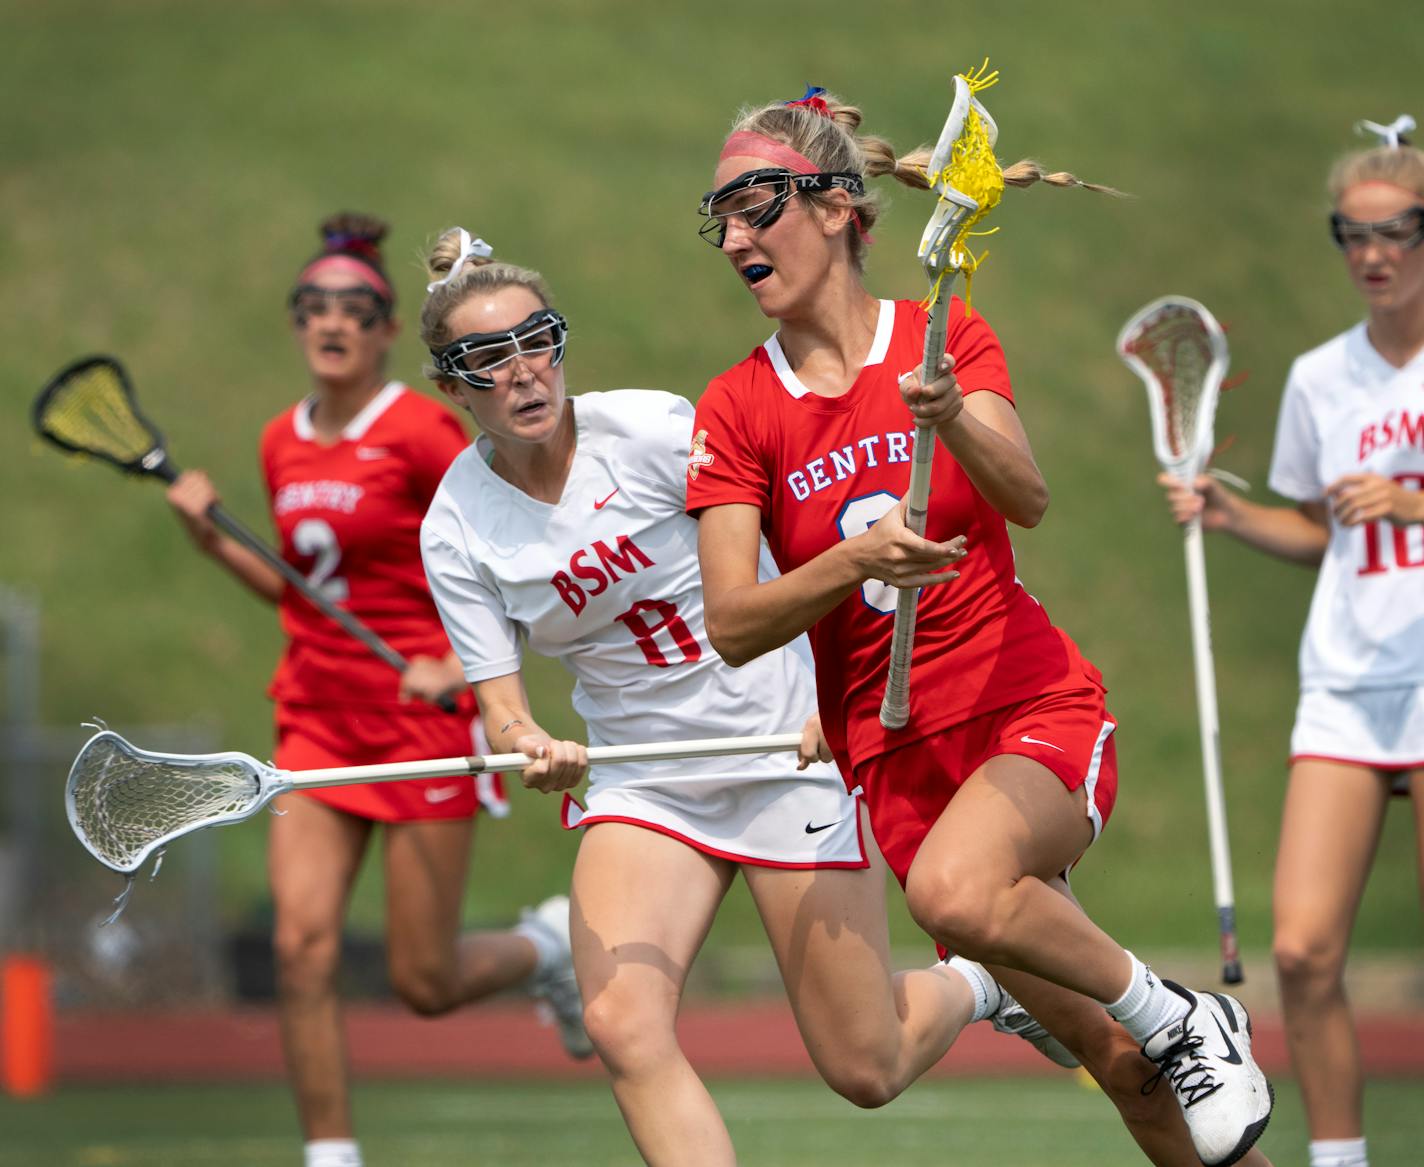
[1147,1005]
[546,945]
[1338,1153]
[333,1153]
[987,993]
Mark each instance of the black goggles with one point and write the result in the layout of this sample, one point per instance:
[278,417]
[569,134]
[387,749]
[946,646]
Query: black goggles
[364,305]
[477,356]
[1405,230]
[759,197]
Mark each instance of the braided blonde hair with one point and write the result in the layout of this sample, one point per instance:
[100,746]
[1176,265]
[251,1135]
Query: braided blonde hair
[830,141]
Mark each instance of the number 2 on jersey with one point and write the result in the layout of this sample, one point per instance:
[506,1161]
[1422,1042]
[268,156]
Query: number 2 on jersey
[857,517]
[315,537]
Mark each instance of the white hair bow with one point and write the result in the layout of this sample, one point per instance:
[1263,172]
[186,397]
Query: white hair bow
[1388,135]
[469,248]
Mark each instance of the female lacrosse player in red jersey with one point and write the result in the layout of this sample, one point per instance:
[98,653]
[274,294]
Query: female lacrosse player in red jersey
[350,470]
[1350,451]
[1006,771]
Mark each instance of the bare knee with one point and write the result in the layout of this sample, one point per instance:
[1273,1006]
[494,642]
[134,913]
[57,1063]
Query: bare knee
[425,988]
[307,957]
[862,1083]
[861,1058]
[959,913]
[631,1031]
[1303,963]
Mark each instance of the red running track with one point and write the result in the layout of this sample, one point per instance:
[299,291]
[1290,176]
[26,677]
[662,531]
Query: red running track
[742,1039]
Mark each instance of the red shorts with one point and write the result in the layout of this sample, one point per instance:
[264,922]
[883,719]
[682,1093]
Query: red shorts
[312,737]
[1068,731]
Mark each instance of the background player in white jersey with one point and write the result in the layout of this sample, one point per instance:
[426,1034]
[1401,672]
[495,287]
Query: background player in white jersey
[564,525]
[350,470]
[1350,451]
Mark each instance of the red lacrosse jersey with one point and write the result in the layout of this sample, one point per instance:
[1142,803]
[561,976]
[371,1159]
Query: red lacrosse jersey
[348,515]
[824,469]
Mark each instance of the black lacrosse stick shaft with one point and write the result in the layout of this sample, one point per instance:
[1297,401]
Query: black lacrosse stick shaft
[235,528]
[155,461]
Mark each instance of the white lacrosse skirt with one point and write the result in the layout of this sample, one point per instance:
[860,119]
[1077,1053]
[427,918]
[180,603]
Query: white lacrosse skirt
[1382,728]
[747,818]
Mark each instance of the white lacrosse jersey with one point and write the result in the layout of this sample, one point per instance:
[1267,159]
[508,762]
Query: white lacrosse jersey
[607,581]
[1347,410]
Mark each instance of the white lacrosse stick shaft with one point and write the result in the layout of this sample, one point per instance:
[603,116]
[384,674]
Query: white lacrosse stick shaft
[1183,455]
[1207,719]
[126,803]
[895,707]
[489,763]
[942,262]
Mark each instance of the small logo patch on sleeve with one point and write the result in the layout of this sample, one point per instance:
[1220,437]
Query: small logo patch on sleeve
[698,457]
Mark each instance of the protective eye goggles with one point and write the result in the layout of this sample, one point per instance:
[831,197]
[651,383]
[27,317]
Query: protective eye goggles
[759,197]
[1405,230]
[364,305]
[476,357]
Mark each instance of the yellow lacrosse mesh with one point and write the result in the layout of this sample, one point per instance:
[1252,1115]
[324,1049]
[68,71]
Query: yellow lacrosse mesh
[91,411]
[973,170]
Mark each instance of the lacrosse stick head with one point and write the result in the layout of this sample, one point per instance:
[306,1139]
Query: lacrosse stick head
[89,407]
[1179,350]
[963,171]
[125,803]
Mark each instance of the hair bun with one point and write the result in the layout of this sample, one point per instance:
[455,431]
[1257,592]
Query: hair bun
[352,233]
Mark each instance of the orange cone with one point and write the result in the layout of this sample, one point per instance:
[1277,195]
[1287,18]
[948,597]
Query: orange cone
[26,1026]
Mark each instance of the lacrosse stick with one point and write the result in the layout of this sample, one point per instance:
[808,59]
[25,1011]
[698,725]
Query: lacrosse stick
[1179,350]
[125,803]
[89,407]
[967,178]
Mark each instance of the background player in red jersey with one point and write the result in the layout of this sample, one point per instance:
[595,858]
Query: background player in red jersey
[1350,452]
[350,470]
[1006,771]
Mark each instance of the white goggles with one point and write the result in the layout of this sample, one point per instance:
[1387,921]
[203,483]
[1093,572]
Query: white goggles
[476,357]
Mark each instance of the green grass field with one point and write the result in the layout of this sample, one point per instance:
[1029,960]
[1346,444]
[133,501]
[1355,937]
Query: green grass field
[988,1123]
[165,164]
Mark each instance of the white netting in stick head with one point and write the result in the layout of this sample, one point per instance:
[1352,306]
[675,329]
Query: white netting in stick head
[125,802]
[1177,348]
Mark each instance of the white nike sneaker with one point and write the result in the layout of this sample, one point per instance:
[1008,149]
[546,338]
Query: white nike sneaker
[1206,1058]
[1011,1017]
[555,987]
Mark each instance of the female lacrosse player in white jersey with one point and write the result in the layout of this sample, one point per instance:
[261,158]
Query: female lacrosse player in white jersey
[350,470]
[1006,771]
[563,526]
[1350,452]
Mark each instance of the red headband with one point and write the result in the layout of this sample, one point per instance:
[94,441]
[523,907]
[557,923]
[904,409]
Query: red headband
[351,265]
[747,142]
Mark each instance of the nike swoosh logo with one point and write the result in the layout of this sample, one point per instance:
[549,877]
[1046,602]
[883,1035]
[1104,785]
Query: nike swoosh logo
[1231,1055]
[1036,741]
[599,504]
[442,793]
[810,830]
